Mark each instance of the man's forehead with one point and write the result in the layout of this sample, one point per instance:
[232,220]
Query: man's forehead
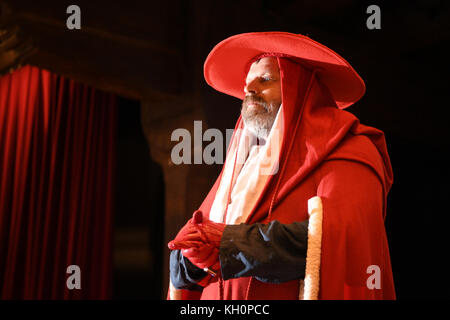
[266,64]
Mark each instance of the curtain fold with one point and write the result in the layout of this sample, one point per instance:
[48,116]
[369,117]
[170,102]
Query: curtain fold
[57,176]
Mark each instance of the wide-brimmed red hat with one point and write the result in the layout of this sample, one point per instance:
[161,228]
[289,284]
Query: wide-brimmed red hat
[227,64]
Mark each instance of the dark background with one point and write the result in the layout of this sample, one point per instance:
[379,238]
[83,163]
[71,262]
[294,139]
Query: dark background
[152,53]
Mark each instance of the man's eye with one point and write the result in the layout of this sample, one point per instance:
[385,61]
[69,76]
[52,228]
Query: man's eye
[266,78]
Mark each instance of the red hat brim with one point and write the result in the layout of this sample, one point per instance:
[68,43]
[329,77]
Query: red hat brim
[227,64]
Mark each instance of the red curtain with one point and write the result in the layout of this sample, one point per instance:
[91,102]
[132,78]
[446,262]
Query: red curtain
[57,164]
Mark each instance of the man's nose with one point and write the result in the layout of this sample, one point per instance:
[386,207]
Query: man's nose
[251,87]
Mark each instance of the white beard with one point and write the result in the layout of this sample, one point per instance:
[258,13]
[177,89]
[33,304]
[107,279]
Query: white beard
[260,124]
[257,129]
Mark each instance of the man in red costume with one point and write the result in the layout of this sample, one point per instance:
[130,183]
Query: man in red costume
[298,209]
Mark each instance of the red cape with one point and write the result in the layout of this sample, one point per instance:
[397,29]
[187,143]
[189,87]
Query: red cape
[328,153]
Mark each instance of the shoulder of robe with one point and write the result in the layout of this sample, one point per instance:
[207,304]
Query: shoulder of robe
[359,148]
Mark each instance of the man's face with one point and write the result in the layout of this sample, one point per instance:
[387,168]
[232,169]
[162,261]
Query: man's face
[262,96]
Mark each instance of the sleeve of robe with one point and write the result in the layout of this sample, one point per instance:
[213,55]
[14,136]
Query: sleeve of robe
[272,252]
[355,261]
[263,251]
[183,274]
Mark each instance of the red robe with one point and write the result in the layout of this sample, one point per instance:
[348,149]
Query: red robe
[328,153]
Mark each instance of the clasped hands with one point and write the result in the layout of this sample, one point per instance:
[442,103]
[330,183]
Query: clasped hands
[199,241]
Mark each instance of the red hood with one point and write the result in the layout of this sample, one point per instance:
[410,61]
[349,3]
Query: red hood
[315,130]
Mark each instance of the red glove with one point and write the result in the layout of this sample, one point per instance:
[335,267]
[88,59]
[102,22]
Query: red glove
[199,241]
[206,258]
[198,232]
[186,231]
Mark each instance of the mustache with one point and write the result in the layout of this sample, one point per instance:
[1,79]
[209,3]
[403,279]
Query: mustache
[256,100]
